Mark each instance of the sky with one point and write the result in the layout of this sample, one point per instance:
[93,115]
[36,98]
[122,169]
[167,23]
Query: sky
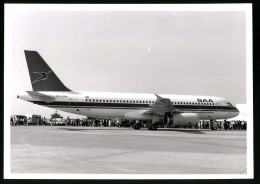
[168,52]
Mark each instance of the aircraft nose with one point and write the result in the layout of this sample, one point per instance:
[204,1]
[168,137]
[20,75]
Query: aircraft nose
[236,111]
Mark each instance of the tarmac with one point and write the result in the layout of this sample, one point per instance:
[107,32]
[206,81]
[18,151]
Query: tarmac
[113,150]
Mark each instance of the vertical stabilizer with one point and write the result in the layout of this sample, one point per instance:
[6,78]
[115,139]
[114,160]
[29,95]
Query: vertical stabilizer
[42,77]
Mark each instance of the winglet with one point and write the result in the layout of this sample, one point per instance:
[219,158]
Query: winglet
[161,106]
[164,101]
[158,97]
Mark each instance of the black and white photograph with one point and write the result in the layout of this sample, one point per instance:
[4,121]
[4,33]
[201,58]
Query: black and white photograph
[128,91]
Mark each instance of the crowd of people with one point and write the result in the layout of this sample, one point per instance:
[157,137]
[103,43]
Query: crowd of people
[18,120]
[91,122]
[224,125]
[85,122]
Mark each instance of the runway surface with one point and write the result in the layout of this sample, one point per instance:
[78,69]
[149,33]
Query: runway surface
[112,150]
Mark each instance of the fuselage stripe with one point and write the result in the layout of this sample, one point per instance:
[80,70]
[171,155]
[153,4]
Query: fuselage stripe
[132,106]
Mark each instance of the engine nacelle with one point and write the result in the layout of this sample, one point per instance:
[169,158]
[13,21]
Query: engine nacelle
[182,119]
[168,118]
[138,115]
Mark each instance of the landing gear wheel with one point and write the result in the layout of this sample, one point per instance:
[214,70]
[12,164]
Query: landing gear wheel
[153,127]
[134,126]
[149,126]
[137,126]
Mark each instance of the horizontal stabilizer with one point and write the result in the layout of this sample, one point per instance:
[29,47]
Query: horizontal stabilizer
[40,96]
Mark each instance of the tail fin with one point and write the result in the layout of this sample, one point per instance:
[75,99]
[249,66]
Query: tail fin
[42,77]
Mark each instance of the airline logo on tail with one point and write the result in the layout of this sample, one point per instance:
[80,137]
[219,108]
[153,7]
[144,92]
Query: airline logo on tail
[44,76]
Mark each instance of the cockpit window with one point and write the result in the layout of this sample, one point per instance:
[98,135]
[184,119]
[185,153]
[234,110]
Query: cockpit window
[229,104]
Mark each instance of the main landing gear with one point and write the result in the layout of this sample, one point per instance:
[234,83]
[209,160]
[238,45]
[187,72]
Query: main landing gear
[152,126]
[137,126]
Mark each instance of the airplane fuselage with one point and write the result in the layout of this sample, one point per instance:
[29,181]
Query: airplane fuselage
[116,105]
[178,110]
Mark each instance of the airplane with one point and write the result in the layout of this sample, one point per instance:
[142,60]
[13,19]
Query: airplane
[172,110]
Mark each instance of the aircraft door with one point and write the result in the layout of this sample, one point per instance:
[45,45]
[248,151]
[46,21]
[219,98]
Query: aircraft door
[73,100]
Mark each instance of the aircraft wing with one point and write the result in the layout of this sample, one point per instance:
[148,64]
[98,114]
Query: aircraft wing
[40,96]
[161,106]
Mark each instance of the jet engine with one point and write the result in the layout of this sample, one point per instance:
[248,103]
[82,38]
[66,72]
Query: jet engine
[181,119]
[138,115]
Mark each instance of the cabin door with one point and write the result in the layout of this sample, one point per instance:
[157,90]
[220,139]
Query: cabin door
[73,100]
